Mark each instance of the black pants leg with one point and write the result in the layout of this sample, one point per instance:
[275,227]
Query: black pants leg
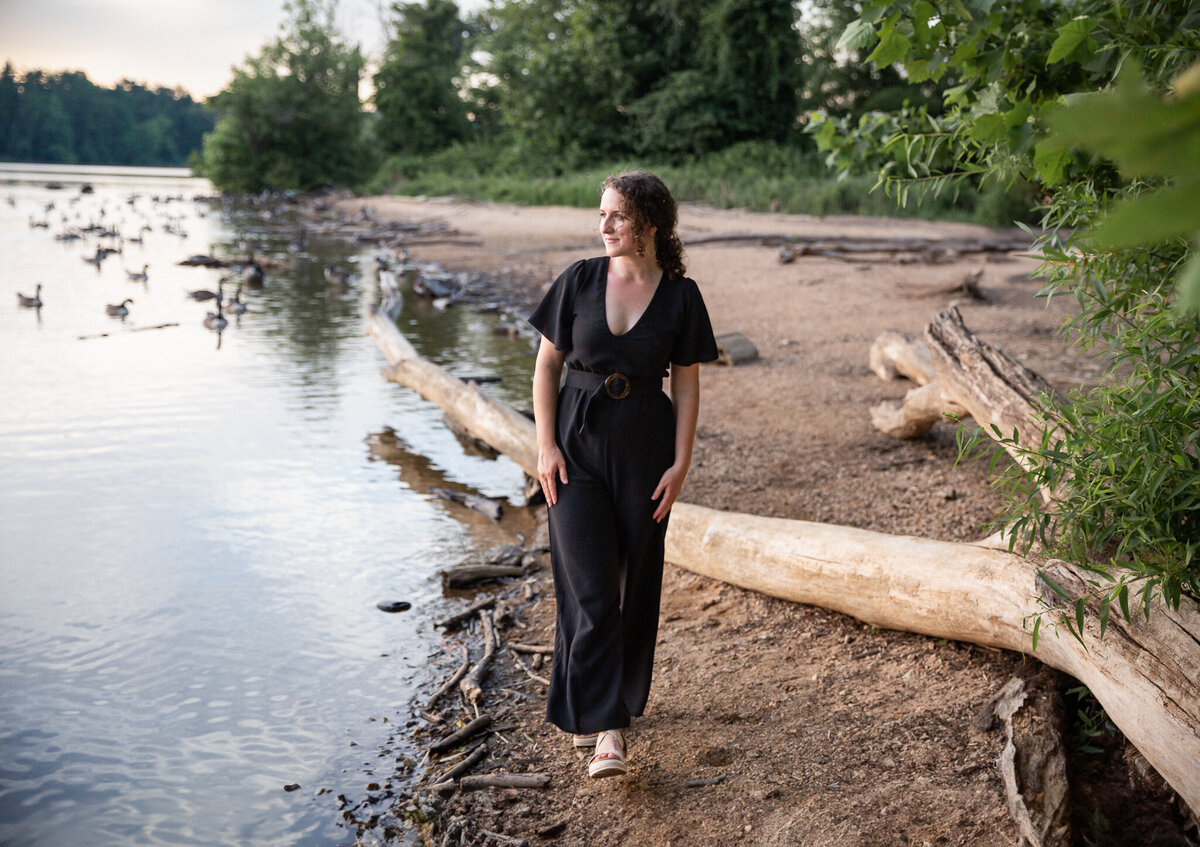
[607,556]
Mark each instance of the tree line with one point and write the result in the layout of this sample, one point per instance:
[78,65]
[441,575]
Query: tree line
[66,118]
[546,85]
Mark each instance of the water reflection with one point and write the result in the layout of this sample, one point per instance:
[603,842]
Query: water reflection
[195,536]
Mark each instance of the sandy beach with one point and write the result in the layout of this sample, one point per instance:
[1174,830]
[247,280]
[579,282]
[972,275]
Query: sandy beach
[813,728]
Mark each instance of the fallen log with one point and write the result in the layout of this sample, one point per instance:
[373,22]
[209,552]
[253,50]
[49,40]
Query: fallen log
[814,244]
[499,425]
[462,576]
[916,414]
[994,388]
[967,287]
[1145,673]
[893,356]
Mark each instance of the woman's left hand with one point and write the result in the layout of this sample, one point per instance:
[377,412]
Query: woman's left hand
[668,488]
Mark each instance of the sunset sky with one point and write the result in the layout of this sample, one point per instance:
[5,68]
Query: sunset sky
[188,43]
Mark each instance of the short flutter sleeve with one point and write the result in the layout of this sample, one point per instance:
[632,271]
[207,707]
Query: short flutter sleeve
[695,341]
[555,315]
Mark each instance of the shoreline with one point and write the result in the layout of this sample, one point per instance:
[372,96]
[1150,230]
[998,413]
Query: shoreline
[843,734]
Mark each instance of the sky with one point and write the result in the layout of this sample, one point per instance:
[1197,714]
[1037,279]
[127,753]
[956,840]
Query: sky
[190,44]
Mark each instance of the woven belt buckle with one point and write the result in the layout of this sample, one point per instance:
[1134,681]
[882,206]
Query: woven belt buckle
[617,386]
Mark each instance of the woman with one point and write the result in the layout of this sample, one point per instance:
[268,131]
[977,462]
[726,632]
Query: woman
[613,451]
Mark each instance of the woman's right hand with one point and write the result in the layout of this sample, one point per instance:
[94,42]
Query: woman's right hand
[552,468]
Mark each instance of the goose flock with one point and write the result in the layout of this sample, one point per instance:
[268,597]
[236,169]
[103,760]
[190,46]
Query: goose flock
[106,228]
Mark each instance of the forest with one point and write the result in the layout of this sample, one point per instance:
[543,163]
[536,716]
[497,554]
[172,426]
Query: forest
[65,118]
[531,100]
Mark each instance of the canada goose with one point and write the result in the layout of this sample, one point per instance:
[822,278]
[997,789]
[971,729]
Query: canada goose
[34,302]
[337,277]
[205,294]
[134,276]
[236,306]
[252,274]
[216,320]
[120,310]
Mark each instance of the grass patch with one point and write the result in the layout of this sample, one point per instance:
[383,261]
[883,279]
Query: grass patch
[757,176]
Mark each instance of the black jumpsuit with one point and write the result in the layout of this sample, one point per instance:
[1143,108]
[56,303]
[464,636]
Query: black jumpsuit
[606,548]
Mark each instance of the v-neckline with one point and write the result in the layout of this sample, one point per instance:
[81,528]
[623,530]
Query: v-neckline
[649,305]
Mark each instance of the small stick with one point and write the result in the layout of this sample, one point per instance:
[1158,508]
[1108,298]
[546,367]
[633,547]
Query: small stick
[531,648]
[700,783]
[504,839]
[528,670]
[452,681]
[462,767]
[504,780]
[453,740]
[472,685]
[455,619]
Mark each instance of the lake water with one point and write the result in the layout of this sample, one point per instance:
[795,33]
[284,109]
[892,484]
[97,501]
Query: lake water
[195,531]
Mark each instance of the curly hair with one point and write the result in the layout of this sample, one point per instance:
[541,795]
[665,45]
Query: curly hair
[648,203]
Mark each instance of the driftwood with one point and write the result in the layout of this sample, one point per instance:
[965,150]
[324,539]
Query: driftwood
[972,378]
[893,356]
[499,425]
[1146,674]
[916,414]
[528,670]
[472,684]
[506,561]
[469,612]
[463,576]
[484,505]
[1033,766]
[967,288]
[454,739]
[452,681]
[462,767]
[993,387]
[817,244]
[532,648]
[504,780]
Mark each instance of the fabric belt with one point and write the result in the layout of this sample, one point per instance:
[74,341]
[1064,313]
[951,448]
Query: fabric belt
[616,386]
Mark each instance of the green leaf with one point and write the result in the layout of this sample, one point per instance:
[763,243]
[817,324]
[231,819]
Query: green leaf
[857,35]
[893,46]
[1037,625]
[1051,160]
[1187,287]
[989,129]
[1070,36]
[1123,597]
[1152,217]
[1054,586]
[1080,605]
[1104,604]
[922,11]
[1145,135]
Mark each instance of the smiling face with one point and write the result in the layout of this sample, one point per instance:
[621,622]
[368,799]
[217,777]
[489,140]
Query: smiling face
[618,229]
